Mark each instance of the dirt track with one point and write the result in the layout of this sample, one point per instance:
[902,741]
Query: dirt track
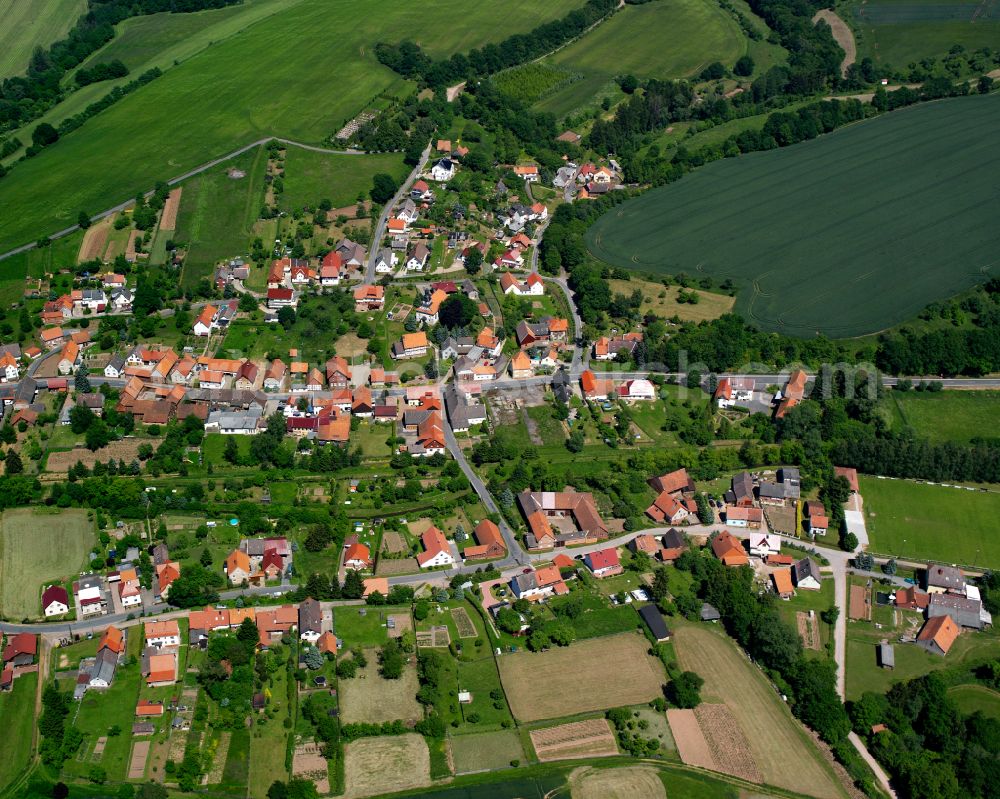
[843,35]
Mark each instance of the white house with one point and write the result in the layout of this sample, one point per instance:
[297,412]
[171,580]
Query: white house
[436,550]
[8,368]
[55,601]
[637,390]
[385,262]
[163,633]
[418,258]
[764,544]
[443,170]
[534,286]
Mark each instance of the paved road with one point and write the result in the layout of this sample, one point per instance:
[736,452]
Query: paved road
[190,173]
[383,219]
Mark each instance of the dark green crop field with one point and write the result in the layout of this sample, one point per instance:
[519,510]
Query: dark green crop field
[845,235]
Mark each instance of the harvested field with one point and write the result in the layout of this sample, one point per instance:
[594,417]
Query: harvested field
[437,636]
[95,240]
[401,623]
[727,742]
[638,677]
[631,782]
[779,745]
[691,743]
[137,765]
[309,763]
[114,249]
[393,542]
[380,765]
[368,697]
[127,449]
[590,738]
[466,629]
[388,568]
[168,220]
[808,630]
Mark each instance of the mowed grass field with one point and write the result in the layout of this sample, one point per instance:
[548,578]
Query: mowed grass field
[710,305]
[311,177]
[972,697]
[915,520]
[637,677]
[28,24]
[217,213]
[783,752]
[845,235]
[17,709]
[38,547]
[958,416]
[295,85]
[895,33]
[655,40]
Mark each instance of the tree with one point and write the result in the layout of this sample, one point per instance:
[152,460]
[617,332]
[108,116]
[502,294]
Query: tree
[60,791]
[44,135]
[693,378]
[744,66]
[383,188]
[848,542]
[206,558]
[80,419]
[247,632]
[231,452]
[13,464]
[705,513]
[684,690]
[286,317]
[81,382]
[354,586]
[83,220]
[509,621]
[457,311]
[474,261]
[391,660]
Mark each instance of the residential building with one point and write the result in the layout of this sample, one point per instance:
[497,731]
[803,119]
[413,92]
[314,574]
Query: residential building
[162,634]
[357,556]
[764,544]
[938,634]
[55,601]
[603,563]
[944,579]
[574,513]
[310,620]
[806,574]
[436,550]
[539,584]
[489,543]
[729,550]
[744,517]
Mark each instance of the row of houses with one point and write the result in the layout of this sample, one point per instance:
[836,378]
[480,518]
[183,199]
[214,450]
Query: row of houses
[600,389]
[86,302]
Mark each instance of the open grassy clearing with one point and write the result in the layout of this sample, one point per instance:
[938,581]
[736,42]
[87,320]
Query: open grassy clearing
[916,520]
[378,765]
[655,40]
[971,698]
[487,750]
[311,177]
[38,547]
[17,709]
[369,698]
[783,753]
[638,677]
[804,230]
[296,85]
[217,213]
[27,25]
[958,416]
[895,33]
[709,306]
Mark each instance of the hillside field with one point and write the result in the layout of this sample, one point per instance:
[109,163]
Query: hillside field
[312,177]
[845,235]
[958,416]
[655,40]
[895,33]
[915,520]
[36,547]
[295,85]
[28,24]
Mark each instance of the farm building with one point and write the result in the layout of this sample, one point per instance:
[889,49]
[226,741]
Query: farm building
[654,621]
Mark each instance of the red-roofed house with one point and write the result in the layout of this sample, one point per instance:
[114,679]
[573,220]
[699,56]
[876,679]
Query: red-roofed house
[55,601]
[358,557]
[436,550]
[490,542]
[604,562]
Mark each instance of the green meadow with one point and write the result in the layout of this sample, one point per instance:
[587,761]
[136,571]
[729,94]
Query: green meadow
[28,24]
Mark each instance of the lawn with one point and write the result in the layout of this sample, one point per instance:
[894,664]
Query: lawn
[217,213]
[958,416]
[488,750]
[799,238]
[268,740]
[27,25]
[39,547]
[372,439]
[480,677]
[784,754]
[362,626]
[662,301]
[921,521]
[637,677]
[656,40]
[804,601]
[17,707]
[971,698]
[296,86]
[311,177]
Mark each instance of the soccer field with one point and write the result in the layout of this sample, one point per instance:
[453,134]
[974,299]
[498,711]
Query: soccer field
[844,235]
[915,520]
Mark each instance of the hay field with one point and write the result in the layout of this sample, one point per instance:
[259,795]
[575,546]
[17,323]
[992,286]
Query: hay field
[783,753]
[28,24]
[380,765]
[296,86]
[958,416]
[635,678]
[578,739]
[817,235]
[710,305]
[367,697]
[37,547]
[904,518]
[629,782]
[485,750]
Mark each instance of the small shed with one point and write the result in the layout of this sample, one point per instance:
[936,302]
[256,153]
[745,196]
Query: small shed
[886,656]
[709,613]
[654,621]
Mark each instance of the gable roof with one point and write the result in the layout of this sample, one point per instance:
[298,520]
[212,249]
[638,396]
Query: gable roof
[941,631]
[113,640]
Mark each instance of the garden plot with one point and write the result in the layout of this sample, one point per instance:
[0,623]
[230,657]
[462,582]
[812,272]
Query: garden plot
[578,739]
